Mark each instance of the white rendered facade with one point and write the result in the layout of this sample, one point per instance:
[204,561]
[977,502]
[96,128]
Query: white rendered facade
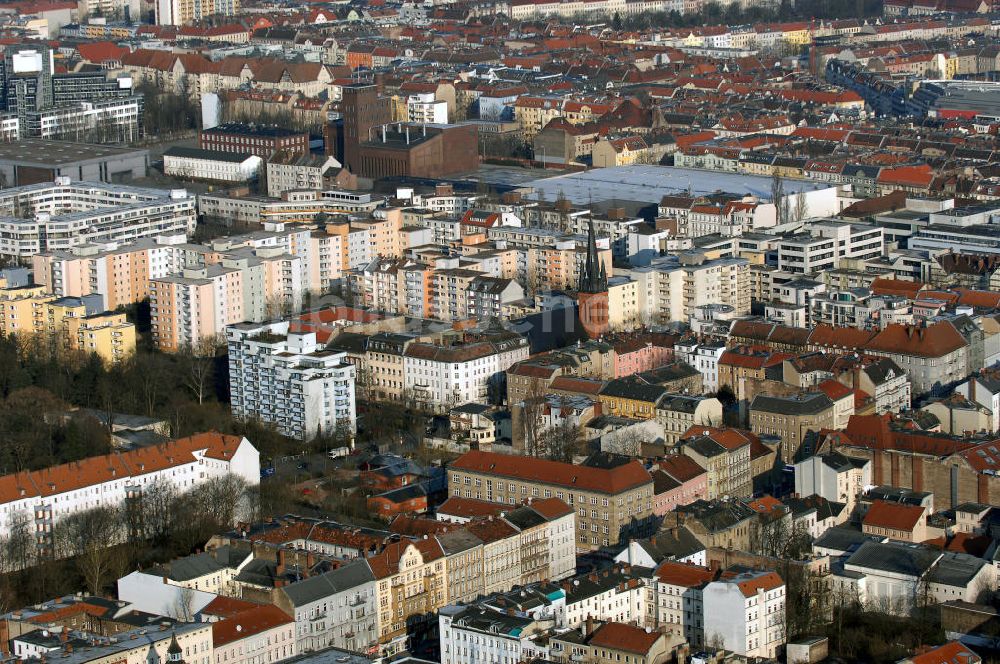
[66,214]
[424,108]
[289,380]
[827,244]
[41,498]
[208,166]
[442,376]
[746,614]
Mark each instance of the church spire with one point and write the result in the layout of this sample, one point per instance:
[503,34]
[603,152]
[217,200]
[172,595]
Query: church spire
[593,277]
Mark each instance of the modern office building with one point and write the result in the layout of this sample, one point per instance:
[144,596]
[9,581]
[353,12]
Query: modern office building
[39,103]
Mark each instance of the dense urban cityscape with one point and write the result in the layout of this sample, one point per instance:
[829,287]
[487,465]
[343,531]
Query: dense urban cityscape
[499,331]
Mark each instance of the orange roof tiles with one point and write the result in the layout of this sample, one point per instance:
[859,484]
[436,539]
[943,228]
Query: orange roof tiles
[885,286]
[619,636]
[894,516]
[953,652]
[935,340]
[681,467]
[386,563]
[551,508]
[97,470]
[834,389]
[227,607]
[249,623]
[470,507]
[613,481]
[763,582]
[683,574]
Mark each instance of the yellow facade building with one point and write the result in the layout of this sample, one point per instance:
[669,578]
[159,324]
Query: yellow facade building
[74,321]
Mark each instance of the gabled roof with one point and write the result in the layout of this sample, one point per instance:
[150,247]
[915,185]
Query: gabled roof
[894,516]
[610,480]
[953,652]
[249,624]
[683,574]
[935,340]
[619,636]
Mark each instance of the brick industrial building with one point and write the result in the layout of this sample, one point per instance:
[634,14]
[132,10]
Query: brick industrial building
[261,141]
[955,469]
[368,145]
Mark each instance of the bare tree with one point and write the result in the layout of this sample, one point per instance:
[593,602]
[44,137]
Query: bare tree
[529,415]
[20,548]
[199,361]
[224,499]
[780,199]
[774,535]
[183,609]
[92,537]
[562,441]
[627,442]
[801,209]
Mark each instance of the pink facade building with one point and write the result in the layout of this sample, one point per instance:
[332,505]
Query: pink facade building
[677,480]
[635,355]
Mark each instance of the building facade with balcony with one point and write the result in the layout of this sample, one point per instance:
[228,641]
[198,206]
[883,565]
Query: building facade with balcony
[290,380]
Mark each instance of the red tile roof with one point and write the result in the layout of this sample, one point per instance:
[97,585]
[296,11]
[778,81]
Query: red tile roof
[763,582]
[386,563]
[731,439]
[98,52]
[249,623]
[884,286]
[683,574]
[681,467]
[96,470]
[935,340]
[953,652]
[894,516]
[470,507]
[612,481]
[551,508]
[227,607]
[619,636]
[834,389]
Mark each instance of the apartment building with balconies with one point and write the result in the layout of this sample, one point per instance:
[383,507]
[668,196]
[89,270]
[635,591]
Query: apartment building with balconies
[290,380]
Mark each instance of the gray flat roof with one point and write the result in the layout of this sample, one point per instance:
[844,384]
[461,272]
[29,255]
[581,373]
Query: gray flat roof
[41,152]
[651,183]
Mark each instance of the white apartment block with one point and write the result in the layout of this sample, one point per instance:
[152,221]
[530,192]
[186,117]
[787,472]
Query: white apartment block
[678,598]
[289,380]
[443,376]
[610,594]
[833,476]
[732,219]
[337,608]
[474,634]
[826,243]
[290,172]
[705,358]
[65,214]
[182,12]
[112,120]
[297,206]
[36,500]
[669,291]
[746,614]
[211,165]
[520,11]
[424,108]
